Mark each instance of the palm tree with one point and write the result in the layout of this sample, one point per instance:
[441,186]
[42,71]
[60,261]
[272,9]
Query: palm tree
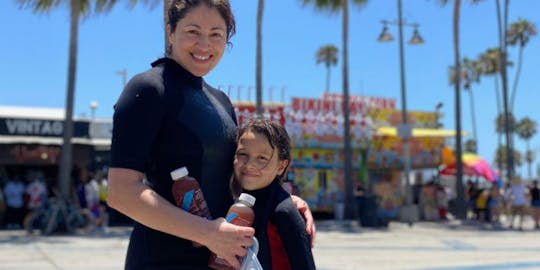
[500,129]
[328,55]
[501,156]
[258,65]
[470,73]
[490,65]
[502,22]
[526,129]
[470,146]
[461,212]
[77,9]
[519,34]
[334,6]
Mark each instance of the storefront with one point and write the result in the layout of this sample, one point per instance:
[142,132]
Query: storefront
[31,140]
[316,130]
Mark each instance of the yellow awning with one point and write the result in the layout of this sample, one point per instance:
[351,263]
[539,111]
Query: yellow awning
[420,132]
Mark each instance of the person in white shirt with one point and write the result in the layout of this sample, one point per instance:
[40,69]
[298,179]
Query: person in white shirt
[517,196]
[37,194]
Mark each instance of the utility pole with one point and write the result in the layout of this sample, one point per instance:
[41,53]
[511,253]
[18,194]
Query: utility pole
[123,73]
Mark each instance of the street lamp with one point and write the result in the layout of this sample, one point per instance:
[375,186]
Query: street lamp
[123,74]
[93,107]
[404,130]
[437,115]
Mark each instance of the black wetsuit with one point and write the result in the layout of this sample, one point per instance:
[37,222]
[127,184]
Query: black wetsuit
[275,209]
[164,119]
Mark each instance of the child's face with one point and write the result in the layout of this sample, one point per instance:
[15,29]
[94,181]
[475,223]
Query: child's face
[256,163]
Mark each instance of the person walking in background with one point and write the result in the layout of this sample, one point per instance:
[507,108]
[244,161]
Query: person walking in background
[2,207]
[166,118]
[14,194]
[471,194]
[37,194]
[535,203]
[103,221]
[442,201]
[518,200]
[495,204]
[481,205]
[91,193]
[260,165]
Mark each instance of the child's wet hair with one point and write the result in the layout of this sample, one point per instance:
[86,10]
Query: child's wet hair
[277,136]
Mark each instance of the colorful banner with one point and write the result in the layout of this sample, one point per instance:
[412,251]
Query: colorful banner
[245,111]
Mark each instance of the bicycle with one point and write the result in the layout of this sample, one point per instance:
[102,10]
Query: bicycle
[58,213]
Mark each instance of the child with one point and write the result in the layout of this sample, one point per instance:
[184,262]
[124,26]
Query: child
[260,165]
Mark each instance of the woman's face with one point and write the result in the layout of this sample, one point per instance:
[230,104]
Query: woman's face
[256,163]
[199,40]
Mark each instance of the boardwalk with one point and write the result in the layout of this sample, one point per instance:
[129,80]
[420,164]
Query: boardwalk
[339,246]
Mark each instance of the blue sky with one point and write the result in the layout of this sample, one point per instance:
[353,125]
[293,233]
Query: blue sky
[33,55]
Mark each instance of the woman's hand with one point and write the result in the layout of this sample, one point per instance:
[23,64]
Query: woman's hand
[303,208]
[229,241]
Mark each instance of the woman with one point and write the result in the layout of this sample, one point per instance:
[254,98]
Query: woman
[168,117]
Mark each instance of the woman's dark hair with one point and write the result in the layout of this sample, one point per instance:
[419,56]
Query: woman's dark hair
[179,8]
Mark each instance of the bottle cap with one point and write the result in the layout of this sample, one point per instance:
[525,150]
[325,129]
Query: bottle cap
[248,199]
[179,173]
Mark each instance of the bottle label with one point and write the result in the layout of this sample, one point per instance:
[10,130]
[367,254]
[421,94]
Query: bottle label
[236,219]
[188,198]
[192,201]
[198,205]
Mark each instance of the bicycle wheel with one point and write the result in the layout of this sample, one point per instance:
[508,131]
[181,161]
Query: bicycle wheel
[51,224]
[35,220]
[80,221]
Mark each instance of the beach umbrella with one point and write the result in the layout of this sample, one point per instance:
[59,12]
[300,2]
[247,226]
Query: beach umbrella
[473,165]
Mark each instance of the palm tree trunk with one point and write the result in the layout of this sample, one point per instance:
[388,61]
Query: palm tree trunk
[503,55]
[473,118]
[516,79]
[499,136]
[350,206]
[67,148]
[529,171]
[166,4]
[461,208]
[258,65]
[327,78]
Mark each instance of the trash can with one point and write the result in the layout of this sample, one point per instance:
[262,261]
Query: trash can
[367,210]
[339,211]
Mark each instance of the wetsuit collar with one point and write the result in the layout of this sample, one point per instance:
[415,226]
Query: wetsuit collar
[177,68]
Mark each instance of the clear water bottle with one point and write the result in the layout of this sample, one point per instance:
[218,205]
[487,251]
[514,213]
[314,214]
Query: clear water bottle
[250,261]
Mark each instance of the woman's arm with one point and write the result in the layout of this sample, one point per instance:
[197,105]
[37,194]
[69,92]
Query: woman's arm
[290,226]
[304,210]
[129,195]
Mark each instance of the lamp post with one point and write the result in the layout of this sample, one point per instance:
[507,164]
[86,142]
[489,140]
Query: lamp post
[123,74]
[437,114]
[404,130]
[93,107]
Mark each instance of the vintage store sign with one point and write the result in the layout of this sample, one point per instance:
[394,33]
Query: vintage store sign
[39,127]
[34,127]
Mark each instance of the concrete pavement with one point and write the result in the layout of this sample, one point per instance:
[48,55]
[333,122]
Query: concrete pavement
[339,245]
